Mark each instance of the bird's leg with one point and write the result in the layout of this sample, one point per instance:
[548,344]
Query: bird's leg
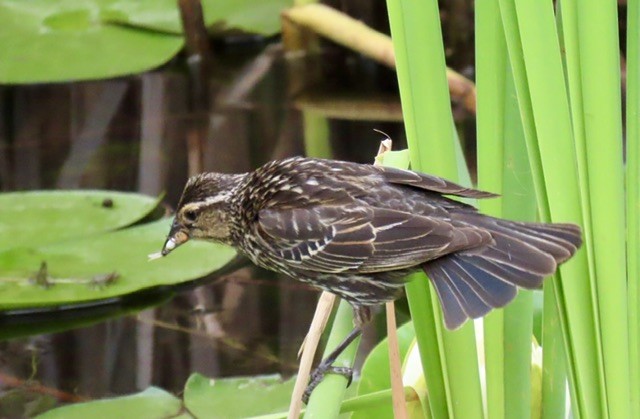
[326,366]
[362,315]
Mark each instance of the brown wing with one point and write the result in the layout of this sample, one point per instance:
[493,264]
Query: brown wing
[430,183]
[354,238]
[333,182]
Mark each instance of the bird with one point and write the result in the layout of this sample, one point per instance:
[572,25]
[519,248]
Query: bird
[358,231]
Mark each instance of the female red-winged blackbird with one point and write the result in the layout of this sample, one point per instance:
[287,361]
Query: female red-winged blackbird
[357,231]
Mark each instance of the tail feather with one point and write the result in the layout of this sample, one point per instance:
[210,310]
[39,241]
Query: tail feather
[493,292]
[559,240]
[454,314]
[506,273]
[472,282]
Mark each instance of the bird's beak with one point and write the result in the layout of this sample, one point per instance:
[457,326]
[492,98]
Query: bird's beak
[177,236]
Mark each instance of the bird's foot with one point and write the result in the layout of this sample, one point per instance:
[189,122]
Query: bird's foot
[318,374]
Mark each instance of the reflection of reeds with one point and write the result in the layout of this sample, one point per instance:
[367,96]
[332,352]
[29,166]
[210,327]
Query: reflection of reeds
[214,337]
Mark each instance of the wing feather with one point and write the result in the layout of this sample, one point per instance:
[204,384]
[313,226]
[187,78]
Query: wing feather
[359,238]
[430,183]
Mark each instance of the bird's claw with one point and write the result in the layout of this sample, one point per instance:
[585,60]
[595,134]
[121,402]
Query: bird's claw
[318,374]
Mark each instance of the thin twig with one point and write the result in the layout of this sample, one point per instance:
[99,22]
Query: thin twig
[63,396]
[309,346]
[395,369]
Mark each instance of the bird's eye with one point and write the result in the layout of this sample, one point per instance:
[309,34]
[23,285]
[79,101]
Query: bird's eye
[190,215]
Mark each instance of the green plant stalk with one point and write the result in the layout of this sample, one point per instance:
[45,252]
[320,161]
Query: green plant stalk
[633,198]
[326,398]
[503,167]
[417,289]
[420,306]
[316,135]
[535,56]
[367,401]
[378,398]
[430,135]
[554,369]
[514,47]
[518,203]
[600,63]
[569,40]
[490,75]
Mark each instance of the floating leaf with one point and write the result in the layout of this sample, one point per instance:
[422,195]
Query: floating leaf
[47,41]
[237,397]
[64,40]
[253,16]
[152,403]
[74,264]
[39,218]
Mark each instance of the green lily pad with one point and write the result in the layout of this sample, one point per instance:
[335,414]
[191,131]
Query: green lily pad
[152,403]
[252,16]
[39,218]
[237,397]
[63,40]
[66,40]
[74,265]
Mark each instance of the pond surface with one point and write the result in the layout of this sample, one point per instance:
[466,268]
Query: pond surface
[147,134]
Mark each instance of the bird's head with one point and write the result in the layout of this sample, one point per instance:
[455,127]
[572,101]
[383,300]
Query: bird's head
[204,210]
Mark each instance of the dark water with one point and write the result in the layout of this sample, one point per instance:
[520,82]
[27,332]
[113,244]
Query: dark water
[146,134]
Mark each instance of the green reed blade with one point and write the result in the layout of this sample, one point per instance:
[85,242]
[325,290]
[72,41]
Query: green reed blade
[491,68]
[420,64]
[535,56]
[633,198]
[600,77]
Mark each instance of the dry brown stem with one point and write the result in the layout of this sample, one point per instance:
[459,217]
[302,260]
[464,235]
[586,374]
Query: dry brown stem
[355,35]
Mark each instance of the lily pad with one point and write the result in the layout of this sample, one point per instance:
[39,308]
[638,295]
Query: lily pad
[66,40]
[49,41]
[39,218]
[252,16]
[152,403]
[74,266]
[237,397]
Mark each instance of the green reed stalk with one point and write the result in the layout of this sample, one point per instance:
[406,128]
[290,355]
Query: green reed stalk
[600,63]
[595,323]
[534,53]
[490,118]
[326,399]
[633,199]
[518,204]
[553,366]
[415,28]
[316,135]
[503,167]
